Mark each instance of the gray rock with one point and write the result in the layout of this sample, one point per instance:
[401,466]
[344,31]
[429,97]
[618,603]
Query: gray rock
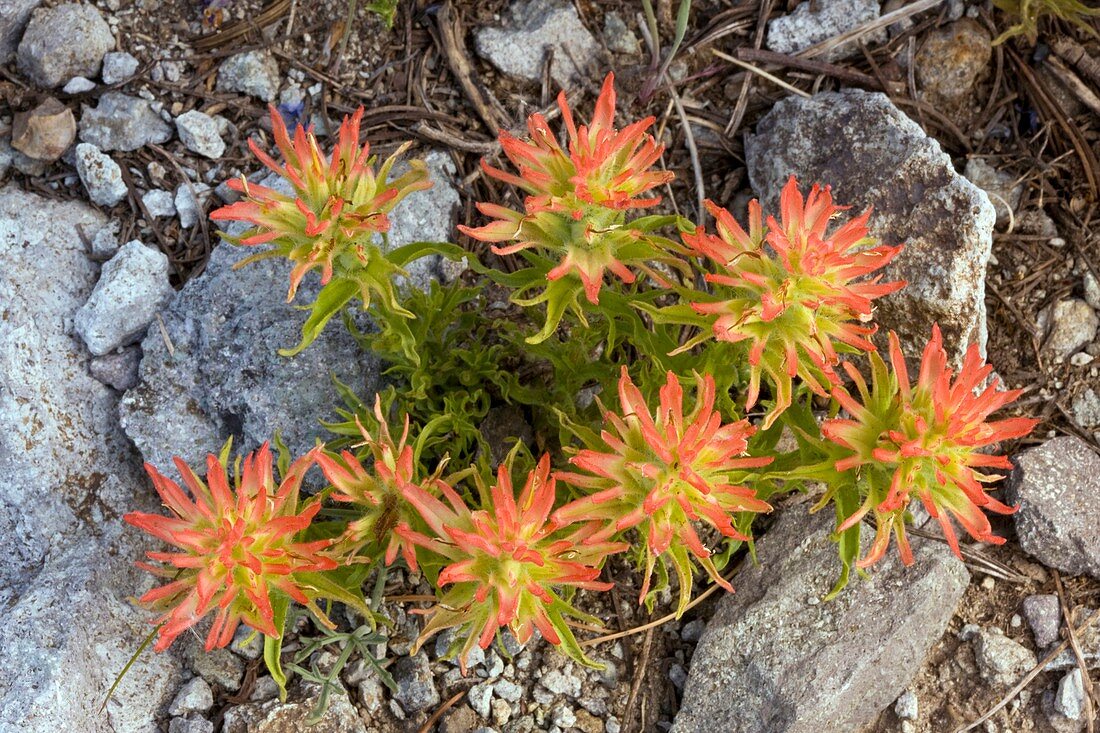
[294,716]
[132,288]
[69,557]
[14,15]
[427,216]
[873,155]
[1058,722]
[219,667]
[118,66]
[190,724]
[951,61]
[1070,324]
[618,36]
[907,706]
[1092,290]
[101,176]
[519,47]
[190,208]
[1070,698]
[45,132]
[1057,486]
[1044,616]
[1088,640]
[122,122]
[813,22]
[1003,189]
[480,696]
[199,133]
[62,42]
[770,660]
[189,402]
[105,241]
[560,683]
[119,369]
[78,85]
[508,690]
[159,203]
[693,630]
[1001,661]
[474,658]
[416,689]
[247,643]
[194,697]
[1086,409]
[255,73]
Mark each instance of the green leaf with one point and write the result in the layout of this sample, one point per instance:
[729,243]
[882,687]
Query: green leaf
[327,587]
[273,646]
[847,502]
[330,301]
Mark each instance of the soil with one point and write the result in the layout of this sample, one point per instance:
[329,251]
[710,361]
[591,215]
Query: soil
[1020,118]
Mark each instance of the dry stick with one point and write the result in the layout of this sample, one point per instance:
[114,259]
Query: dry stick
[975,559]
[760,72]
[231,31]
[742,105]
[639,677]
[1086,682]
[842,73]
[829,44]
[1074,83]
[1035,672]
[454,50]
[1051,107]
[439,713]
[488,147]
[693,152]
[1075,53]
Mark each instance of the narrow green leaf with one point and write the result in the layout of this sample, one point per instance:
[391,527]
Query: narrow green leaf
[330,301]
[273,646]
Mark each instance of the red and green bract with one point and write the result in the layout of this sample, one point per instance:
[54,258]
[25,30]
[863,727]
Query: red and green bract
[922,439]
[576,203]
[791,290]
[505,563]
[659,473]
[338,206]
[379,495]
[236,548]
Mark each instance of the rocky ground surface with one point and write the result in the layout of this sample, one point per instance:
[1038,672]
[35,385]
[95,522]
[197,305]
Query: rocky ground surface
[125,335]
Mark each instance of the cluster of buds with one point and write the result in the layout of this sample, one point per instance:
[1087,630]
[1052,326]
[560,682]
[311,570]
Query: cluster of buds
[575,210]
[922,439]
[659,473]
[236,548]
[792,291]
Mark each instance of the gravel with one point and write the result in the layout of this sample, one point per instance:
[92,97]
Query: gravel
[1070,324]
[62,42]
[131,289]
[199,134]
[45,132]
[194,697]
[813,22]
[159,203]
[416,690]
[255,73]
[1044,616]
[101,176]
[530,28]
[118,370]
[123,122]
[118,67]
[14,16]
[1001,661]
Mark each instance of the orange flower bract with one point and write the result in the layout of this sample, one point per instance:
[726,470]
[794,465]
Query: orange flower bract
[577,198]
[235,548]
[505,563]
[925,438]
[660,472]
[791,290]
[339,203]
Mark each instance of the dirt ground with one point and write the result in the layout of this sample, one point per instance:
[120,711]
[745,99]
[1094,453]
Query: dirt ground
[1021,116]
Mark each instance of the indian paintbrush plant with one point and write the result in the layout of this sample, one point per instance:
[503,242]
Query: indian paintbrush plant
[659,363]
